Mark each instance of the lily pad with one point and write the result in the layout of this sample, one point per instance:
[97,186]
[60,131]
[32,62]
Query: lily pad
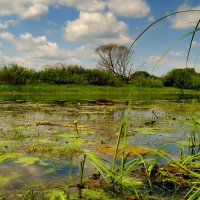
[146,130]
[68,135]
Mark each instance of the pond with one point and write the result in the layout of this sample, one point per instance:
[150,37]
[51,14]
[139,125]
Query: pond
[43,142]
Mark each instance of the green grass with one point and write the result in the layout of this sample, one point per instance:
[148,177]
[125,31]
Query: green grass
[48,88]
[48,92]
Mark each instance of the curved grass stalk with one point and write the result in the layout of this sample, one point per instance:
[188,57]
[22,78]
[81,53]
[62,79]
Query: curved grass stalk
[173,45]
[146,169]
[134,163]
[190,46]
[98,163]
[158,20]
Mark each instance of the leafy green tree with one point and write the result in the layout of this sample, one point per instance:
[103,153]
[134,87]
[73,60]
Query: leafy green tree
[180,78]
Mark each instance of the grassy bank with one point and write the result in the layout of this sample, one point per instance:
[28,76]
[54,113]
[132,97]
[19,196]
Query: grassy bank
[43,92]
[50,88]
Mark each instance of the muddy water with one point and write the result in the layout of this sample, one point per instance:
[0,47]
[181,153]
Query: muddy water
[42,143]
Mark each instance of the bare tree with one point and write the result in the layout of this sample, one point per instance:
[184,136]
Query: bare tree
[116,59]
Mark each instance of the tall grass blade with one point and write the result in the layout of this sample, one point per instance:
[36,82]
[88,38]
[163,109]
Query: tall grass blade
[171,46]
[82,164]
[191,190]
[195,196]
[160,19]
[121,127]
[188,54]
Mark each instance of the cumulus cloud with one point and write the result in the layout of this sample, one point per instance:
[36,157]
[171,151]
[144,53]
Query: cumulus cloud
[24,9]
[129,8]
[36,8]
[38,46]
[4,24]
[185,20]
[82,51]
[35,11]
[97,27]
[7,37]
[85,5]
[38,51]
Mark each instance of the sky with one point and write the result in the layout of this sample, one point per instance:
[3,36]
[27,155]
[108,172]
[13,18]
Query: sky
[41,33]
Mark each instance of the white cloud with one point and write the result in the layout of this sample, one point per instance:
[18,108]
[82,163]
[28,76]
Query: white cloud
[24,9]
[97,27]
[82,51]
[85,5]
[4,24]
[7,37]
[38,47]
[176,53]
[5,59]
[166,63]
[38,51]
[195,44]
[129,8]
[35,11]
[185,20]
[151,19]
[36,8]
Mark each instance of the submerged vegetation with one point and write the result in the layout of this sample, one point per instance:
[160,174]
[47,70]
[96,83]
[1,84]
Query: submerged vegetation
[99,150]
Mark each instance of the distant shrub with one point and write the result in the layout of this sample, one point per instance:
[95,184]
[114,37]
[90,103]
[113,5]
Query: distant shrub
[15,74]
[139,74]
[196,82]
[179,78]
[147,82]
[100,77]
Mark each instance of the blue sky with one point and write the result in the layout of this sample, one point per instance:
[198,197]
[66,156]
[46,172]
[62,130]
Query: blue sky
[39,33]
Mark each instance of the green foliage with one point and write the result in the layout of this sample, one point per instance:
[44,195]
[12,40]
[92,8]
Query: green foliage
[148,82]
[100,77]
[76,75]
[15,74]
[186,78]
[63,75]
[196,82]
[144,79]
[179,78]
[139,74]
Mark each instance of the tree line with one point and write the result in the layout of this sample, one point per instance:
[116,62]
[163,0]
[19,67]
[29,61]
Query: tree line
[186,78]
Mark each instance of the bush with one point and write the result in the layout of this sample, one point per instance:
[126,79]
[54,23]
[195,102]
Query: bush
[179,78]
[103,78]
[15,74]
[139,74]
[147,82]
[196,82]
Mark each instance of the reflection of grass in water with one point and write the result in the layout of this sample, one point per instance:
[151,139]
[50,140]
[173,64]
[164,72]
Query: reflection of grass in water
[8,178]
